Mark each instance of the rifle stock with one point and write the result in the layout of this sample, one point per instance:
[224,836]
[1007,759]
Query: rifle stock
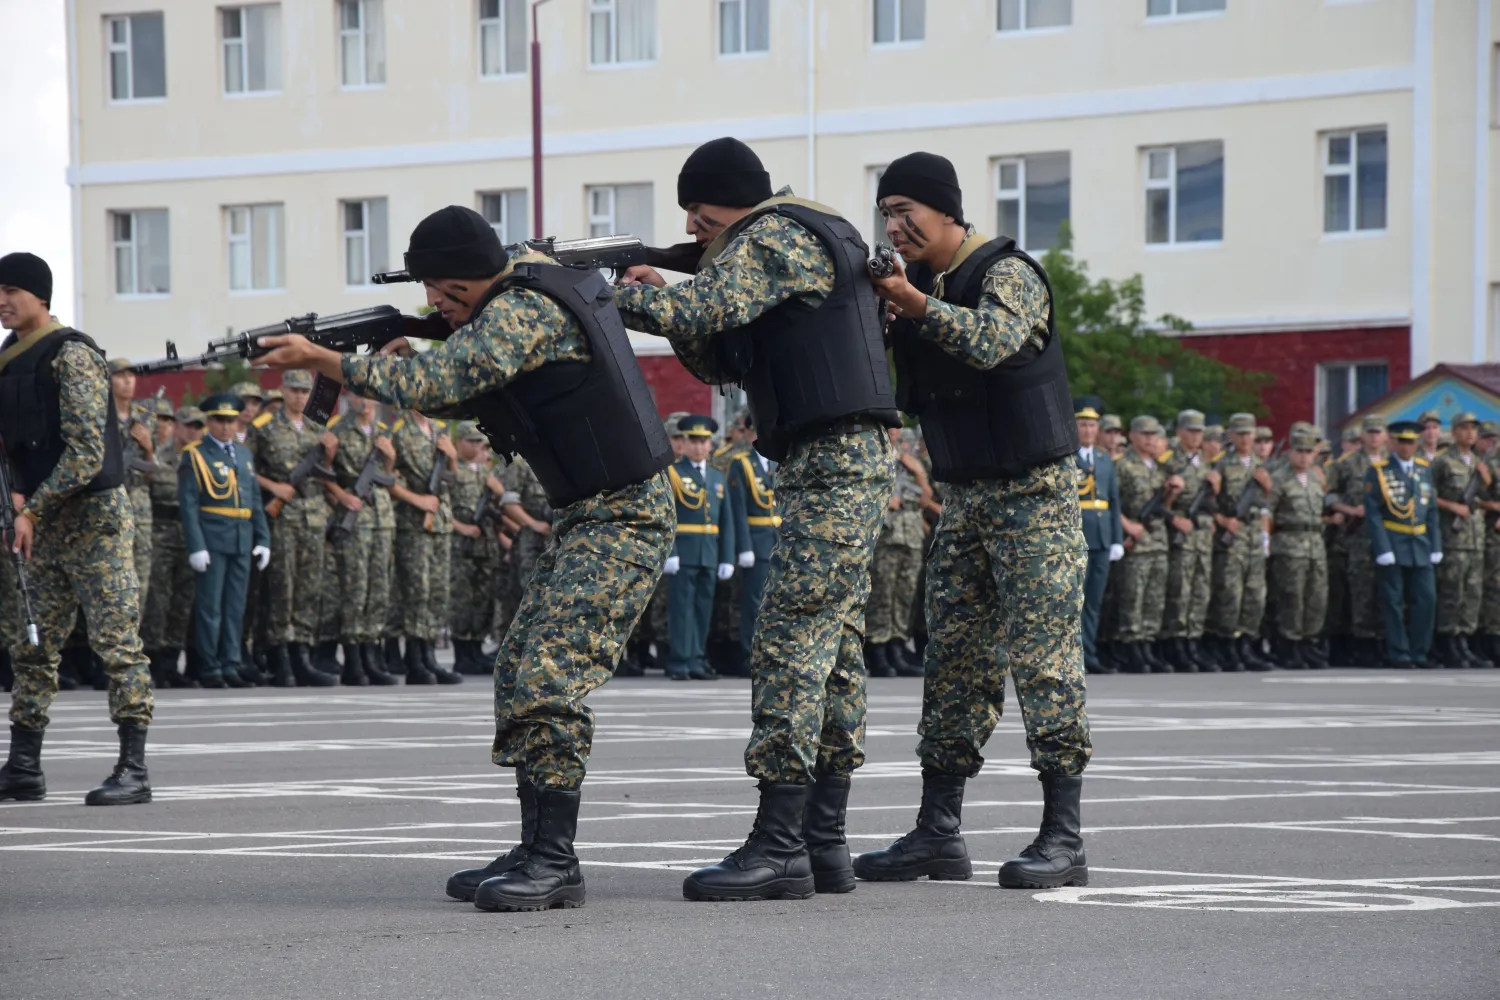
[7,538]
[311,466]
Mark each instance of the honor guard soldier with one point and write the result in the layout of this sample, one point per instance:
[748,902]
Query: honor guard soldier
[167,622]
[1144,485]
[1299,561]
[223,528]
[1099,501]
[1401,517]
[1461,480]
[752,481]
[703,552]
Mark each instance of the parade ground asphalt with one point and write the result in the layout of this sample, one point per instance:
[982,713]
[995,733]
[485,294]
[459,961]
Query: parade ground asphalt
[1334,834]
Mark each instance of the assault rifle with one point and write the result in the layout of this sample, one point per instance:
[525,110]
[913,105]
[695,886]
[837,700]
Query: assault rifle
[310,466]
[1200,506]
[133,460]
[1250,498]
[370,477]
[1156,507]
[1471,495]
[614,252]
[883,263]
[8,539]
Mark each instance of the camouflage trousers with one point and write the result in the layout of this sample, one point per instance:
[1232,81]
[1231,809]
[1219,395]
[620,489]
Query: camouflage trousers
[1141,596]
[472,584]
[893,593]
[10,603]
[140,509]
[515,572]
[1239,586]
[362,567]
[83,557]
[1460,585]
[168,617]
[1301,587]
[293,580]
[588,589]
[421,588]
[1365,618]
[1489,611]
[330,607]
[1189,570]
[807,668]
[1005,595]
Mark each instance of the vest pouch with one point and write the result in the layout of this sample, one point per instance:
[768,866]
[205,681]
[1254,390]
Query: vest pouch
[23,413]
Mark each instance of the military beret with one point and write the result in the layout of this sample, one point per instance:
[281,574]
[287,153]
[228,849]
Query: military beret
[1242,423]
[1145,424]
[1191,420]
[190,415]
[1463,418]
[296,379]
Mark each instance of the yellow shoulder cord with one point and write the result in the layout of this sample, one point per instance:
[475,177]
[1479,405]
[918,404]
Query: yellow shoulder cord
[1086,488]
[677,488]
[214,490]
[1402,512]
[763,500]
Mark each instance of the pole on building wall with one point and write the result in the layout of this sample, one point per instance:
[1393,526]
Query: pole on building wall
[536,123]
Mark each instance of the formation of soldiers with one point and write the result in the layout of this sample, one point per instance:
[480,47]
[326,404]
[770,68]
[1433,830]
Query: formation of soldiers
[1220,548]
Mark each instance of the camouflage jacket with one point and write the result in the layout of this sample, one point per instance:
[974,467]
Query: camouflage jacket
[279,445]
[1011,314]
[355,445]
[468,487]
[84,401]
[416,451]
[1296,514]
[520,480]
[1450,477]
[1139,482]
[1194,473]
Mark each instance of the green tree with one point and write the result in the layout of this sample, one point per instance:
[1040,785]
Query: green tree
[224,377]
[1112,352]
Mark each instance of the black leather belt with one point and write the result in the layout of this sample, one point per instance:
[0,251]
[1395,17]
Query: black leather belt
[839,428]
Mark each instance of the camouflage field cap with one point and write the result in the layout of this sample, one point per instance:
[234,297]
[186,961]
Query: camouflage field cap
[274,396]
[118,365]
[1429,417]
[191,415]
[670,424]
[1351,434]
[296,379]
[1145,424]
[468,430]
[1111,422]
[164,408]
[1264,434]
[1303,441]
[1460,419]
[248,390]
[1489,429]
[1242,423]
[1214,432]
[1372,422]
[1191,420]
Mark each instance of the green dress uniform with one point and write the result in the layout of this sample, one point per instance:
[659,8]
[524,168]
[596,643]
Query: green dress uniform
[705,541]
[752,492]
[1401,518]
[1099,503]
[221,513]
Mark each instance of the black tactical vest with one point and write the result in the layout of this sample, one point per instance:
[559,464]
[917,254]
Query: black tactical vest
[31,417]
[995,424]
[585,427]
[806,368]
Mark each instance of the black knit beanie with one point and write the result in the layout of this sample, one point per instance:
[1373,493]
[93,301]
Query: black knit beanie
[454,242]
[924,177]
[723,172]
[28,272]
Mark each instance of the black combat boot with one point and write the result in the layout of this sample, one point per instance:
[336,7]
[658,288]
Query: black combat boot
[1177,656]
[325,657]
[548,875]
[1471,653]
[373,660]
[463,885]
[773,861]
[416,666]
[1055,858]
[1156,656]
[1229,655]
[934,847]
[438,671]
[1250,656]
[302,667]
[1134,655]
[629,665]
[1104,655]
[1287,654]
[823,830]
[354,666]
[128,784]
[250,673]
[902,661]
[1315,653]
[1201,657]
[876,663]
[281,667]
[21,776]
[231,676]
[394,662]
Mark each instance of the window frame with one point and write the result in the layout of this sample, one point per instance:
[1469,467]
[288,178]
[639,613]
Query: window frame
[503,194]
[1351,171]
[243,42]
[362,35]
[1175,16]
[498,24]
[276,266]
[364,232]
[134,246]
[1027,29]
[1320,395]
[744,52]
[898,42]
[1170,185]
[111,48]
[611,219]
[612,7]
[1018,194]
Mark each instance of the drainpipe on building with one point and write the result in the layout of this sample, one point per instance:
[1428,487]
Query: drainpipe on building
[812,99]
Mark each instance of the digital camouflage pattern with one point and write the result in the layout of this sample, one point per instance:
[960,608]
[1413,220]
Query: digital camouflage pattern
[1189,557]
[1011,314]
[1299,560]
[1346,482]
[167,618]
[295,575]
[420,593]
[527,546]
[807,665]
[474,572]
[1142,585]
[1460,576]
[1239,575]
[1005,595]
[361,558]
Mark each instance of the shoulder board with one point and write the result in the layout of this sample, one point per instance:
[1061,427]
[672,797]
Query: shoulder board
[333,421]
[191,445]
[263,419]
[382,425]
[1423,462]
[1377,463]
[1345,458]
[400,423]
[1166,456]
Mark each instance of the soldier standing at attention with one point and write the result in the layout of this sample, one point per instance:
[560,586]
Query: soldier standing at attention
[167,623]
[475,558]
[362,553]
[752,480]
[1143,571]
[1489,611]
[223,528]
[724,654]
[1299,566]
[424,526]
[895,570]
[977,356]
[1190,549]
[1460,576]
[781,303]
[703,552]
[136,445]
[1099,502]
[1346,501]
[652,627]
[251,397]
[1112,436]
[75,528]
[1237,563]
[1431,442]
[1401,518]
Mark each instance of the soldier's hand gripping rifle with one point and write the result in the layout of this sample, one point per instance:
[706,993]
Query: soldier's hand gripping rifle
[370,477]
[1155,509]
[1470,498]
[614,252]
[1202,501]
[134,460]
[1253,496]
[8,539]
[311,466]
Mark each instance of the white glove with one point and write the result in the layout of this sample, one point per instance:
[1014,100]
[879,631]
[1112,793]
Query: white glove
[1116,552]
[726,570]
[199,561]
[1386,559]
[262,556]
[672,565]
[1265,545]
[1436,558]
[747,560]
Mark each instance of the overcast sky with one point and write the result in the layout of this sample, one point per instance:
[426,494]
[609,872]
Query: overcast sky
[34,204]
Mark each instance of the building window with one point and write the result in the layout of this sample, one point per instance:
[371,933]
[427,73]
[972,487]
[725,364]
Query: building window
[256,247]
[1346,388]
[365,246]
[362,42]
[900,21]
[1032,15]
[252,48]
[1032,199]
[877,221]
[622,31]
[744,26]
[137,57]
[1181,8]
[143,264]
[1185,193]
[1354,166]
[502,37]
[506,211]
[621,209]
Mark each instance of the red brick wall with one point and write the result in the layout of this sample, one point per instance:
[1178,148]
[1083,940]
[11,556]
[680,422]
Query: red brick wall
[1293,358]
[674,387]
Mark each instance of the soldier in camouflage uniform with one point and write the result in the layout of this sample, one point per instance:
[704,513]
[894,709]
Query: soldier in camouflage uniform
[1143,571]
[654,626]
[894,571]
[1489,610]
[1460,576]
[606,552]
[1346,505]
[475,554]
[1299,566]
[1239,584]
[75,527]
[1191,543]
[136,422]
[424,529]
[535,519]
[167,622]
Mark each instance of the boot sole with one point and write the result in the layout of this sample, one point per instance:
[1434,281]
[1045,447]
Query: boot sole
[462,893]
[785,888]
[1078,876]
[567,898]
[141,798]
[23,797]
[833,883]
[948,871]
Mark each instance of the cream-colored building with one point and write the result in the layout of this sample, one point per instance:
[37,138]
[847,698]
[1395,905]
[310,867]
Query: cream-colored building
[1307,181]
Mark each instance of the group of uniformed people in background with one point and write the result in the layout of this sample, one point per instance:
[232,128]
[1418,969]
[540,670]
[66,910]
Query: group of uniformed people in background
[1218,548]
